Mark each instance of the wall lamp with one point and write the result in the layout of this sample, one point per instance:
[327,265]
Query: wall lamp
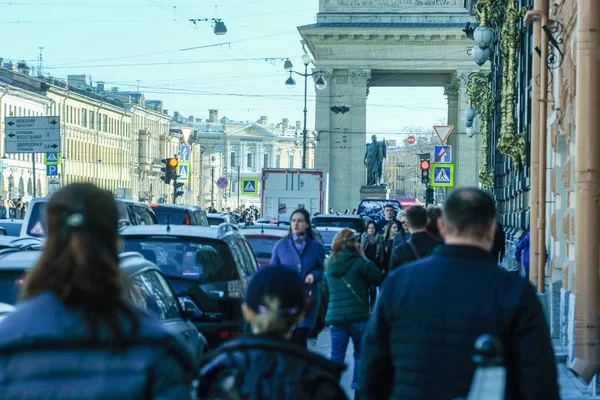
[340,109]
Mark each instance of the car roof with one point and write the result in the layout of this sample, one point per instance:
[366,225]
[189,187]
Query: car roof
[174,206]
[129,262]
[343,216]
[191,231]
[11,221]
[265,232]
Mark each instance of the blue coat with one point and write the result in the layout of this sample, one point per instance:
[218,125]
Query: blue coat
[310,261]
[46,353]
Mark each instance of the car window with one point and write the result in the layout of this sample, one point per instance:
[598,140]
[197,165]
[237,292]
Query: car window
[151,292]
[262,247]
[253,263]
[201,217]
[205,260]
[170,216]
[10,286]
[144,215]
[12,228]
[36,224]
[216,220]
[239,256]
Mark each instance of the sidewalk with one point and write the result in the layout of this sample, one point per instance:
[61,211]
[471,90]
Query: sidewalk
[570,387]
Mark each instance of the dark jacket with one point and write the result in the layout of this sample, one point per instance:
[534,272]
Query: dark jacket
[378,255]
[47,354]
[310,261]
[419,342]
[264,368]
[344,306]
[499,246]
[424,244]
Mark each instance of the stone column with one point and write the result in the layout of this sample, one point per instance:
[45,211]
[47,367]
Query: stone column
[322,122]
[466,151]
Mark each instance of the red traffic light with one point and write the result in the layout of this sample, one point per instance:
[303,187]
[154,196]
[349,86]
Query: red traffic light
[173,162]
[425,164]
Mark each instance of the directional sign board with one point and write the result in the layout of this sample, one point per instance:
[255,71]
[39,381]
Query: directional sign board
[249,185]
[442,175]
[443,131]
[53,185]
[443,154]
[51,158]
[31,134]
[183,172]
[52,170]
[222,183]
[184,153]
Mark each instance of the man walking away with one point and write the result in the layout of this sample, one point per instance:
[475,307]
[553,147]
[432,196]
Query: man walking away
[419,342]
[420,244]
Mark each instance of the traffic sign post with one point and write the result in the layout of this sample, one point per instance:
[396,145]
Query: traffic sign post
[443,154]
[31,134]
[249,185]
[53,185]
[443,131]
[442,175]
[222,183]
[52,170]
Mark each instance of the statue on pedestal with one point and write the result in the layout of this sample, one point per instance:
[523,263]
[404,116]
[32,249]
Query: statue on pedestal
[376,152]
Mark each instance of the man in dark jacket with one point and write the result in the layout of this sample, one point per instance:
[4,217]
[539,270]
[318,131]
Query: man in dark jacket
[499,247]
[419,342]
[420,244]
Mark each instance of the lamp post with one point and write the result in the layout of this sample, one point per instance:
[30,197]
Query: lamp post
[290,83]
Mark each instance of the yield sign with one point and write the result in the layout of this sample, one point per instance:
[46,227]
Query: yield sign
[443,131]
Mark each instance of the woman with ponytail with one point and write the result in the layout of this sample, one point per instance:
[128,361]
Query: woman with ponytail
[74,336]
[346,283]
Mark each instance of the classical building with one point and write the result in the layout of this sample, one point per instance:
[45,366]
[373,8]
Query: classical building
[363,44]
[20,96]
[240,149]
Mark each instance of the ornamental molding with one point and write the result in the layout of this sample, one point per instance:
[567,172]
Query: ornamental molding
[413,40]
[387,3]
[359,75]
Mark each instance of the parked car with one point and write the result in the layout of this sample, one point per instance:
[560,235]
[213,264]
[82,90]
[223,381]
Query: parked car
[179,215]
[262,239]
[130,213]
[355,222]
[210,266]
[11,227]
[328,233]
[216,219]
[146,287]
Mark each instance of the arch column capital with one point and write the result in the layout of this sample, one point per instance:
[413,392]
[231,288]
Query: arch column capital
[360,75]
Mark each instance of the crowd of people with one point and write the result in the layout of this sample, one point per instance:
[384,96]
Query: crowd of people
[13,209]
[74,337]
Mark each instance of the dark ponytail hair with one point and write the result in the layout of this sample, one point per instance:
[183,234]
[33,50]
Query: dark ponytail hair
[309,232]
[80,262]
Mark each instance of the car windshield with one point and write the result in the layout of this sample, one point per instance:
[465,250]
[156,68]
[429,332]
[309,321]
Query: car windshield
[167,216]
[207,260]
[10,286]
[262,246]
[333,222]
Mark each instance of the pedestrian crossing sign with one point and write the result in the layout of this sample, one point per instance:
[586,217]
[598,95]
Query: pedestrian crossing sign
[51,158]
[442,175]
[183,172]
[249,185]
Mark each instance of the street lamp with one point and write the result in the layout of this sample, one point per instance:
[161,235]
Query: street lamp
[320,84]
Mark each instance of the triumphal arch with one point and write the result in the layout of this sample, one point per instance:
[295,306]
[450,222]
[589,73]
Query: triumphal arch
[361,44]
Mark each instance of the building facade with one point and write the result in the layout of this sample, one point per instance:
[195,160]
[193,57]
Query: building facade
[239,150]
[21,98]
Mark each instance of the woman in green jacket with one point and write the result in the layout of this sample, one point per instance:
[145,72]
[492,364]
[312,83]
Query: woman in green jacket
[347,279]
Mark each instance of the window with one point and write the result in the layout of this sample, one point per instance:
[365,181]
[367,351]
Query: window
[233,161]
[265,160]
[99,120]
[84,118]
[250,161]
[291,161]
[150,291]
[104,123]
[92,121]
[278,161]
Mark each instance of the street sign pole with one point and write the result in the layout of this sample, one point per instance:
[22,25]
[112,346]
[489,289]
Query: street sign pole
[33,166]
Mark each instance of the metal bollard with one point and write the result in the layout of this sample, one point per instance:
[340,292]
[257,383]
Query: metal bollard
[489,380]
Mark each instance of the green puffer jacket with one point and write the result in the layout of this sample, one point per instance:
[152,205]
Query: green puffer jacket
[360,273]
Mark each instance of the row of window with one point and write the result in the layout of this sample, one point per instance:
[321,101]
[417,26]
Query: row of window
[91,120]
[84,151]
[266,161]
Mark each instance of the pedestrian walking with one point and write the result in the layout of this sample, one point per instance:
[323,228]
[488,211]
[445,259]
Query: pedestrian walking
[434,213]
[74,336]
[499,246]
[303,252]
[391,230]
[372,244]
[267,365]
[419,342]
[522,253]
[347,280]
[420,244]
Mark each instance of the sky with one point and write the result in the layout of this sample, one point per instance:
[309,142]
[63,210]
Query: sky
[152,43]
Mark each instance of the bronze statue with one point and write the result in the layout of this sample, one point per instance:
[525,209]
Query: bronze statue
[376,152]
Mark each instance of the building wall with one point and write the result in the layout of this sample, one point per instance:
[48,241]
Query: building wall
[17,169]
[95,140]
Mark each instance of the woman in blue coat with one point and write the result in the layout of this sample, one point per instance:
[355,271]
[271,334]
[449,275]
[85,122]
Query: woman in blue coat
[304,253]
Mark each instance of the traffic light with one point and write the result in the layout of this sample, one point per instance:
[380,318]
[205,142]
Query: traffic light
[176,190]
[425,166]
[169,170]
[429,199]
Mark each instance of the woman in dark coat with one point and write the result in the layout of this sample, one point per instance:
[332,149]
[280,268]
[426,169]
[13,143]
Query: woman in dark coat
[373,247]
[305,254]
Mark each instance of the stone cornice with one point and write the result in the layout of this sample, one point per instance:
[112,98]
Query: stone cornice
[370,39]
